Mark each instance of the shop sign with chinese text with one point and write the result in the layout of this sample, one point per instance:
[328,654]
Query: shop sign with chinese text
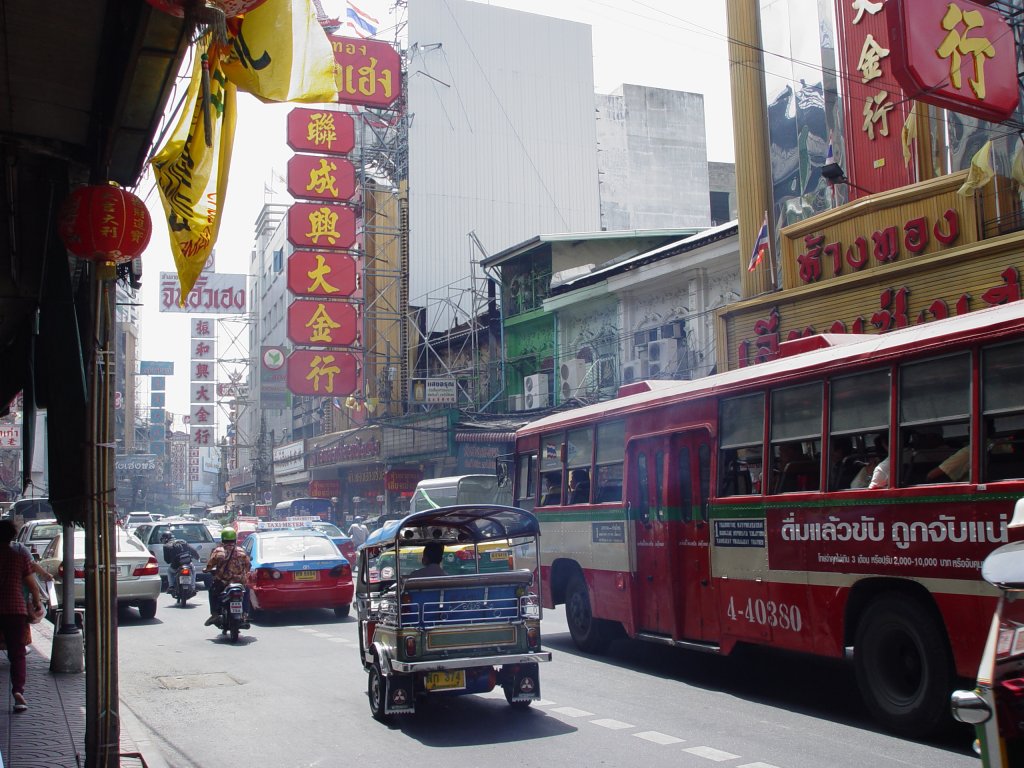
[322,323]
[956,55]
[319,177]
[321,130]
[321,372]
[321,225]
[312,273]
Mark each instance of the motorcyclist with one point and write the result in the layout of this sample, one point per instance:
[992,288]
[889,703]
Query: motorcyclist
[229,564]
[176,554]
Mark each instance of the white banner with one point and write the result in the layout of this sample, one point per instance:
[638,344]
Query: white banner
[213,294]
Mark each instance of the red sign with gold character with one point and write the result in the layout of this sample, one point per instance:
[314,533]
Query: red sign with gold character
[321,372]
[321,177]
[329,273]
[321,130]
[371,71]
[320,225]
[957,55]
[322,323]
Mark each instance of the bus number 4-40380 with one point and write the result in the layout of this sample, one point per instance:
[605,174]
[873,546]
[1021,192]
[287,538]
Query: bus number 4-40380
[781,615]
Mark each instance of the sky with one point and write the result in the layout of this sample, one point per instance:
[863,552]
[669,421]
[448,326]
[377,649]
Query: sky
[659,43]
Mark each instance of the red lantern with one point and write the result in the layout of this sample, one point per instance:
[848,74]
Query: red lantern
[202,10]
[104,223]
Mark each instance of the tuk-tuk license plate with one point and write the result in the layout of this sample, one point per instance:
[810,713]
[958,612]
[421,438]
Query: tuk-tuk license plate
[305,575]
[499,555]
[445,680]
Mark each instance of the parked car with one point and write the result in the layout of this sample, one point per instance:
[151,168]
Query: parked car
[294,569]
[138,579]
[198,537]
[36,534]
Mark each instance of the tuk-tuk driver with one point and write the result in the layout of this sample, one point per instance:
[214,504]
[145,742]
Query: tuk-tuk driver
[433,553]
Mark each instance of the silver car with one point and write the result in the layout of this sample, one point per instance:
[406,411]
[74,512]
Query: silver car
[200,540]
[138,578]
[36,534]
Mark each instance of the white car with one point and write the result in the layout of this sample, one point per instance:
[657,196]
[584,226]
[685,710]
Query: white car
[134,519]
[198,537]
[36,534]
[138,578]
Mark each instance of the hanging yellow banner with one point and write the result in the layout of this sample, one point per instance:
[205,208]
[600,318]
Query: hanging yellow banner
[192,170]
[279,52]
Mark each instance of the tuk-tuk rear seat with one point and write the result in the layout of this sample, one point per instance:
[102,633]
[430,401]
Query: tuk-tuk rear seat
[463,599]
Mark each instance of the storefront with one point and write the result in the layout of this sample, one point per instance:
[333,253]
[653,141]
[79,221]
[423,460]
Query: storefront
[291,478]
[350,464]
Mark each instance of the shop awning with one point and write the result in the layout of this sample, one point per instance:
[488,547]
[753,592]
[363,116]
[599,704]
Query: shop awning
[485,437]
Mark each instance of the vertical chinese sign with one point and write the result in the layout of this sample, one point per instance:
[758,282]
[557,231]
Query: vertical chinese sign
[323,317]
[876,107]
[203,385]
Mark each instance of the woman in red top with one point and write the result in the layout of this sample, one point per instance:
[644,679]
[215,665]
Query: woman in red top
[15,576]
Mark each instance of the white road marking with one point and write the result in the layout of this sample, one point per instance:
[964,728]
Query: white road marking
[543,703]
[710,753]
[658,738]
[572,712]
[310,630]
[615,725]
[757,765]
[339,640]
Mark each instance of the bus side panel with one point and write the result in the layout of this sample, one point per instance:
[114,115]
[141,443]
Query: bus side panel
[965,616]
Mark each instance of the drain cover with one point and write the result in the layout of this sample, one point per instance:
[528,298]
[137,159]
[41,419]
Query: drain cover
[207,680]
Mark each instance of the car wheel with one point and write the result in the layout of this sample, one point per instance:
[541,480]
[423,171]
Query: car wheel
[588,633]
[147,609]
[376,687]
[341,611]
[903,665]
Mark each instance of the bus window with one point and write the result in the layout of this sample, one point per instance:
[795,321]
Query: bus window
[796,438]
[608,458]
[859,427]
[526,481]
[935,404]
[643,480]
[685,486]
[579,452]
[741,422]
[552,452]
[1002,405]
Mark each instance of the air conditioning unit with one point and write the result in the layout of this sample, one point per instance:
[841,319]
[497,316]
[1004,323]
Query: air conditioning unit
[662,357]
[571,376]
[515,403]
[674,330]
[535,391]
[634,370]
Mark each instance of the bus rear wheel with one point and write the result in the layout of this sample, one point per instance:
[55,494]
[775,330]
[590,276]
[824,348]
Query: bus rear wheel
[903,665]
[589,634]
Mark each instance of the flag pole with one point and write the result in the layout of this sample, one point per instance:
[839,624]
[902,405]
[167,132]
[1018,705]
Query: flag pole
[771,254]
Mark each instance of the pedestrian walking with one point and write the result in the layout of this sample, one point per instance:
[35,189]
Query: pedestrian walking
[19,595]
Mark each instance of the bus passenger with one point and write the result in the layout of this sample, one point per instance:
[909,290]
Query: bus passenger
[880,475]
[552,489]
[579,486]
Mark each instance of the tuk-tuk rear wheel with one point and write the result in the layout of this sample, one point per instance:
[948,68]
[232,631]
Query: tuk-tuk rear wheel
[509,693]
[376,690]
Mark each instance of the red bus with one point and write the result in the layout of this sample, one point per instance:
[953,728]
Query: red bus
[739,508]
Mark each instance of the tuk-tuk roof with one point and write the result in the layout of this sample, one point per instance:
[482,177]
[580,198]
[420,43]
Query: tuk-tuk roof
[1004,567]
[479,522]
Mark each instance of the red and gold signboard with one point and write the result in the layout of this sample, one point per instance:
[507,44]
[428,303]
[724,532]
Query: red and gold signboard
[371,71]
[402,479]
[321,130]
[320,177]
[875,108]
[324,489]
[322,372]
[311,273]
[956,55]
[322,323]
[321,225]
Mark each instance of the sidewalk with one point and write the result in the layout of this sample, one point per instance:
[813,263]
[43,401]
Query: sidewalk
[51,734]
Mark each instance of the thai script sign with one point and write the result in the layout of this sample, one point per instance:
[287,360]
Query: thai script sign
[371,71]
[402,479]
[939,56]
[321,130]
[10,436]
[335,454]
[143,462]
[213,294]
[156,367]
[321,274]
[324,489]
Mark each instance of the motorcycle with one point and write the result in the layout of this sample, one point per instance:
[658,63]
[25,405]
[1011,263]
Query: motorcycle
[185,586]
[232,611]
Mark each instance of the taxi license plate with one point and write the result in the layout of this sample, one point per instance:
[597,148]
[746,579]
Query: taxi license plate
[305,575]
[445,680]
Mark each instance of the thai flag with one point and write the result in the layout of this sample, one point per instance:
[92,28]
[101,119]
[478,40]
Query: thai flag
[760,246]
[362,23]
[829,157]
